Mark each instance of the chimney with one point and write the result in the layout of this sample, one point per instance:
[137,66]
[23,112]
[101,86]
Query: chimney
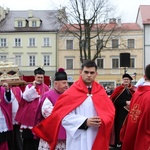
[30,13]
[119,22]
[7,10]
[2,13]
[112,20]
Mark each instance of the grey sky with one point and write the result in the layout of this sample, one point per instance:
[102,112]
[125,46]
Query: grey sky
[127,9]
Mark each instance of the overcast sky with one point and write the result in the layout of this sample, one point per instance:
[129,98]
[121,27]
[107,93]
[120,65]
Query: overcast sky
[126,8]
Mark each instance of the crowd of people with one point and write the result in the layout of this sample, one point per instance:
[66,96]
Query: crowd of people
[83,116]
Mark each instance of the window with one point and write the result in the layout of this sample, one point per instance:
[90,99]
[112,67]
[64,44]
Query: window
[20,24]
[32,60]
[132,62]
[115,43]
[46,60]
[17,42]
[46,41]
[33,23]
[69,44]
[84,44]
[99,44]
[3,58]
[18,60]
[3,42]
[69,63]
[115,63]
[130,43]
[31,42]
[100,63]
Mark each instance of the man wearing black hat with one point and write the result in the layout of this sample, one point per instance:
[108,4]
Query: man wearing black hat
[121,99]
[27,110]
[47,103]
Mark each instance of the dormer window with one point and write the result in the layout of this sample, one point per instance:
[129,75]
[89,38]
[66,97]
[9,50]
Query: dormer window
[20,23]
[34,24]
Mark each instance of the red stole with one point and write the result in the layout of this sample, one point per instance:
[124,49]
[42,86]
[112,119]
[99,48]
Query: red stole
[68,101]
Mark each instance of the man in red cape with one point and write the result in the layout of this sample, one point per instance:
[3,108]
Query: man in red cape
[135,133]
[73,98]
[121,97]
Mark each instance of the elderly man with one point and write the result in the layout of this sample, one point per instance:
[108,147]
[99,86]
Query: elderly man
[121,99]
[47,103]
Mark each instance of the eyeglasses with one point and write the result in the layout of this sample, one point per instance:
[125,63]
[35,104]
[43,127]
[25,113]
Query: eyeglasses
[88,72]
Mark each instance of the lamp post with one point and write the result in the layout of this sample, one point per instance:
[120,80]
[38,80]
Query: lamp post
[135,74]
[125,70]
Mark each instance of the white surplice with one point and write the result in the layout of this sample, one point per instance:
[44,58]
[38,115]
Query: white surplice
[80,139]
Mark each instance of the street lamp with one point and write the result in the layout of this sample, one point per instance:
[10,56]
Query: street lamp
[135,74]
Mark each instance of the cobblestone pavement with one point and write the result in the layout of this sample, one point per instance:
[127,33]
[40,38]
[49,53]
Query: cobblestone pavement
[112,148]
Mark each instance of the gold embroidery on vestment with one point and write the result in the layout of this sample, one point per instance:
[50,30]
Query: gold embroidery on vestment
[135,112]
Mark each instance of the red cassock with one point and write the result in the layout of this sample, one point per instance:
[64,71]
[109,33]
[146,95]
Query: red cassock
[135,133]
[68,101]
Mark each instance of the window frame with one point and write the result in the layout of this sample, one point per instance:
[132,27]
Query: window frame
[45,58]
[3,42]
[102,65]
[32,60]
[115,43]
[69,45]
[17,42]
[69,63]
[117,65]
[32,42]
[46,42]
[131,43]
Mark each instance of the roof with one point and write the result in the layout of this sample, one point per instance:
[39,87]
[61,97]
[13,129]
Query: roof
[145,13]
[49,20]
[106,27]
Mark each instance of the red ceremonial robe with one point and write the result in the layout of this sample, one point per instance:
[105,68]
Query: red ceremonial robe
[68,101]
[119,90]
[135,133]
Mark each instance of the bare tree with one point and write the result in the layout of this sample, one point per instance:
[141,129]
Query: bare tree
[89,19]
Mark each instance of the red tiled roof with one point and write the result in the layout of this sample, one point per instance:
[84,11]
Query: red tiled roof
[145,13]
[105,27]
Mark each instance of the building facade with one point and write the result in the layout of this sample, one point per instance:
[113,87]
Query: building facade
[29,39]
[129,39]
[33,39]
[143,19]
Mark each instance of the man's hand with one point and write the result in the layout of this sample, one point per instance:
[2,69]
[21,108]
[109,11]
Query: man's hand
[127,107]
[128,103]
[34,83]
[94,121]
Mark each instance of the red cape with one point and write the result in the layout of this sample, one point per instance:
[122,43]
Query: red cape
[135,133]
[118,91]
[72,98]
